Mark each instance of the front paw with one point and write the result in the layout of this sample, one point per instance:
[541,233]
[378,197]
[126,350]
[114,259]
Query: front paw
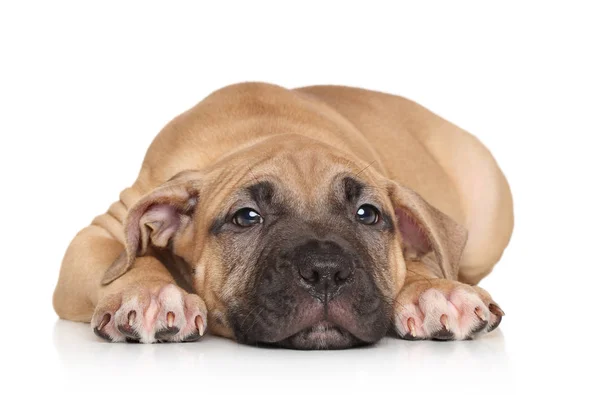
[444,310]
[149,314]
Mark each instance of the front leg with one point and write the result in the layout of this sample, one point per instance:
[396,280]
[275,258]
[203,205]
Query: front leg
[140,300]
[145,305]
[429,307]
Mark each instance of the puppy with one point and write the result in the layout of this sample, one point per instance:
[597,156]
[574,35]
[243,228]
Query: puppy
[319,217]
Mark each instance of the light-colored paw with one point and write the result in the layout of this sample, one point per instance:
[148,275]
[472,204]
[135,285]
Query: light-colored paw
[445,310]
[150,314]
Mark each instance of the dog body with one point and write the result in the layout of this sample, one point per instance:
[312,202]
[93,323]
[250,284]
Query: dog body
[239,220]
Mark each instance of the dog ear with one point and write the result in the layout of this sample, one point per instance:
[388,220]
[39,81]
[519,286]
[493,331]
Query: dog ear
[425,230]
[157,219]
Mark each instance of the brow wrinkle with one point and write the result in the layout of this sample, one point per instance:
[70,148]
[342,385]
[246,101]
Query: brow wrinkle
[252,174]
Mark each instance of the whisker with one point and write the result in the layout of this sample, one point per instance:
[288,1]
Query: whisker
[366,167]
[254,322]
[420,275]
[248,315]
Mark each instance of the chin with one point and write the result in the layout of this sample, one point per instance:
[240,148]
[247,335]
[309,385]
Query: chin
[321,336]
[313,328]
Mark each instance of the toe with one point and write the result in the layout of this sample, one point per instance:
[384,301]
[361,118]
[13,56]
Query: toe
[410,330]
[440,320]
[172,313]
[195,336]
[197,332]
[444,333]
[495,324]
[480,327]
[496,310]
[473,315]
[128,328]
[481,322]
[409,322]
[497,314]
[99,329]
[102,334]
[129,318]
[104,326]
[166,334]
[195,319]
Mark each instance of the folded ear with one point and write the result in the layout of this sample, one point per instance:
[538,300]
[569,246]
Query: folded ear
[157,219]
[425,229]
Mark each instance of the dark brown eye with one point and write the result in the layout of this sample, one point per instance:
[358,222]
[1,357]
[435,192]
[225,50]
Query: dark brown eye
[247,217]
[367,214]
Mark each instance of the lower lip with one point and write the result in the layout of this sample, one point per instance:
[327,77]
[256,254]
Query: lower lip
[323,326]
[324,332]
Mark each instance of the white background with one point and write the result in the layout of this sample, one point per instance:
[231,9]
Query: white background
[85,86]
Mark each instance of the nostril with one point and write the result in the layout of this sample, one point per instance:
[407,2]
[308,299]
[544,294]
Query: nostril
[310,276]
[342,276]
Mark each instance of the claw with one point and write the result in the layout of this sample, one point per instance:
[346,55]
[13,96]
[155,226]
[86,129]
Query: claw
[479,313]
[411,327]
[105,320]
[496,310]
[444,321]
[170,319]
[131,317]
[199,325]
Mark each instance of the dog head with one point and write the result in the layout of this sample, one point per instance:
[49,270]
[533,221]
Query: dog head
[293,243]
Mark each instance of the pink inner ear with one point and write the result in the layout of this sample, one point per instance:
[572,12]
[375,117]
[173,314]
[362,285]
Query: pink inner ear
[163,220]
[413,235]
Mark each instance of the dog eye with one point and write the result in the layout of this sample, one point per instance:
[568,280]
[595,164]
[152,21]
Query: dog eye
[367,214]
[247,217]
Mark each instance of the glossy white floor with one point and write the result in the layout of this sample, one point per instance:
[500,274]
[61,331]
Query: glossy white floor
[214,363]
[85,87]
[541,344]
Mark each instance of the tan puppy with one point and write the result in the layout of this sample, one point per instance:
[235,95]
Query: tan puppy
[321,217]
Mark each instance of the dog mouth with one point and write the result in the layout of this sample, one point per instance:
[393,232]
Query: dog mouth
[324,335]
[314,326]
[292,318]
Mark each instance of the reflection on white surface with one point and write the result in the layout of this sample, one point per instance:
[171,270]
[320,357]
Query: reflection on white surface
[420,365]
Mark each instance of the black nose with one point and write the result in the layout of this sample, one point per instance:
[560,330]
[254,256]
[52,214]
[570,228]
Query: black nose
[324,268]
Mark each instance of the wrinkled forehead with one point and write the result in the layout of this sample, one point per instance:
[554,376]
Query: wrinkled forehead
[305,178]
[304,182]
[302,171]
[311,175]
